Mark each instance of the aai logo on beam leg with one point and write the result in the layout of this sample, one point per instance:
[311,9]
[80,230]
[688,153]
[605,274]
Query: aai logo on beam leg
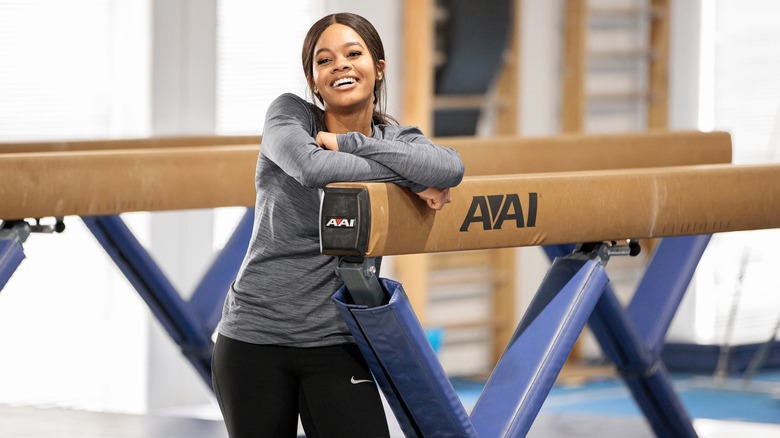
[337,222]
[493,210]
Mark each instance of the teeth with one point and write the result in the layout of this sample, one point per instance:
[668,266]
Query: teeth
[343,81]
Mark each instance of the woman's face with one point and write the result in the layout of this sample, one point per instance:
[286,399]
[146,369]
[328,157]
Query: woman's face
[344,72]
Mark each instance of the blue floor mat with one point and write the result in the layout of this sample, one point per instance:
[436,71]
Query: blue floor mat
[703,396]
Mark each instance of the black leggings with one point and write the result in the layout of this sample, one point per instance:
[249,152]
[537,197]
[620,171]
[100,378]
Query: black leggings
[261,389]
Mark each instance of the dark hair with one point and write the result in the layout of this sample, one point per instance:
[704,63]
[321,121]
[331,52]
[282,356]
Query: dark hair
[371,37]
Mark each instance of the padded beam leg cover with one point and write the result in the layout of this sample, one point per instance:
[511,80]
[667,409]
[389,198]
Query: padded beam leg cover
[405,366]
[535,355]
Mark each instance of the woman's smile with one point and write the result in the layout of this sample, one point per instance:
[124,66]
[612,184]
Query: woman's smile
[345,83]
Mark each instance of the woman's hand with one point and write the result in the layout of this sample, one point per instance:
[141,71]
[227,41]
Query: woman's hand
[327,140]
[435,198]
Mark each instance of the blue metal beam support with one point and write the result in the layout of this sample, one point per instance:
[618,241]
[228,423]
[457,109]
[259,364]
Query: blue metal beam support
[538,349]
[668,274]
[190,324]
[12,235]
[575,291]
[155,289]
[391,339]
[633,338]
[11,256]
[641,369]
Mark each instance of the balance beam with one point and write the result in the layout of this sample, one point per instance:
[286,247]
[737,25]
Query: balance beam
[575,152]
[376,219]
[96,178]
[540,154]
[116,176]
[128,143]
[362,221]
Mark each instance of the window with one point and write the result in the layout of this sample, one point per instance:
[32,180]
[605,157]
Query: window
[736,296]
[258,59]
[72,329]
[73,69]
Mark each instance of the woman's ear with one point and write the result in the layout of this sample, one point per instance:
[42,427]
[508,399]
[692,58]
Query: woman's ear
[380,69]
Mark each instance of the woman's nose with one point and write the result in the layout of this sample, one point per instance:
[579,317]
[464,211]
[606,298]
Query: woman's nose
[341,64]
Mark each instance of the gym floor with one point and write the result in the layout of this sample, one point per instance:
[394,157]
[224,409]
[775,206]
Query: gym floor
[596,406]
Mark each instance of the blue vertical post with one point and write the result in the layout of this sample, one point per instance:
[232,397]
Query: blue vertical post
[538,349]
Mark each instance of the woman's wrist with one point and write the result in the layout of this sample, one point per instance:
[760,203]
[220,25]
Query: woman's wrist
[327,140]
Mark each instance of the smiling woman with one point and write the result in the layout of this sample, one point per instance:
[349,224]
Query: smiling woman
[283,349]
[345,76]
[361,42]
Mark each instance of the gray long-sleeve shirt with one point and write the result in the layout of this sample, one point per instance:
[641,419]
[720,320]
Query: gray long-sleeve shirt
[283,289]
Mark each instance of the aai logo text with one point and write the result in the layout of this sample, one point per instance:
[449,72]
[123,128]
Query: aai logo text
[335,222]
[493,212]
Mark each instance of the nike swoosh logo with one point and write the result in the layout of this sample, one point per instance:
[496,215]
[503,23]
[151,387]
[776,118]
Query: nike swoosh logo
[355,382]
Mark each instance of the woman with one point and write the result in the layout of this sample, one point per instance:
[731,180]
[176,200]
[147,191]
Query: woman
[283,349]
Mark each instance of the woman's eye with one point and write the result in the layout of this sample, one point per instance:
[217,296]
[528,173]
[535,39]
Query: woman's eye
[354,54]
[322,61]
